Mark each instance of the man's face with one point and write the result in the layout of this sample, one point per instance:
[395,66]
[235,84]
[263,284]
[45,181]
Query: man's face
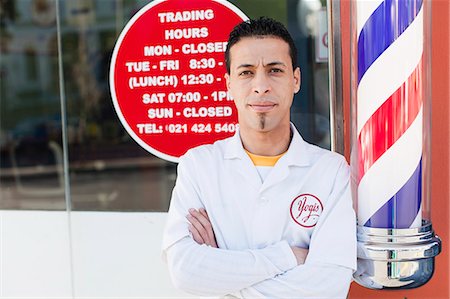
[262,82]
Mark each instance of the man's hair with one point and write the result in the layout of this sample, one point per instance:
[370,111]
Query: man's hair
[260,28]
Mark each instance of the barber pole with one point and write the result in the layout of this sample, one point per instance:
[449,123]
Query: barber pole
[389,112]
[389,126]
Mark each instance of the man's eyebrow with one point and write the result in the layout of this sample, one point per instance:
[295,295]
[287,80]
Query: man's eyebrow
[245,65]
[274,63]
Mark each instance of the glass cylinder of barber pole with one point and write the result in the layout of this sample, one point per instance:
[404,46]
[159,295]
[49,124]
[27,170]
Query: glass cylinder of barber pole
[390,159]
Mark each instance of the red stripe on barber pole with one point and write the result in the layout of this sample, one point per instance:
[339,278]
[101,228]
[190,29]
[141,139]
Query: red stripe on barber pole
[390,121]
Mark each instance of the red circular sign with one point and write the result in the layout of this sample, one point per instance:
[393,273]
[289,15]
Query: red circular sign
[306,210]
[167,75]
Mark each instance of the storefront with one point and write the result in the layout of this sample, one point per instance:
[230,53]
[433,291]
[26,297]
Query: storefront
[83,205]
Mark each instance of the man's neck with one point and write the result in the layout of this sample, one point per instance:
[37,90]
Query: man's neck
[271,143]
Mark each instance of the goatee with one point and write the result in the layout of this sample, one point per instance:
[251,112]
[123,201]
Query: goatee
[262,121]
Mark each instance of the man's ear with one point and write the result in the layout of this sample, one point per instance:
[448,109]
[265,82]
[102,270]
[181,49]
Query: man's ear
[297,79]
[227,82]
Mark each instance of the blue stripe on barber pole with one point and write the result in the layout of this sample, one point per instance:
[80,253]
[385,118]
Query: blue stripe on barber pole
[398,212]
[383,27]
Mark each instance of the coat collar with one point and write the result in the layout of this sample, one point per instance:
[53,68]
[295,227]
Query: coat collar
[296,155]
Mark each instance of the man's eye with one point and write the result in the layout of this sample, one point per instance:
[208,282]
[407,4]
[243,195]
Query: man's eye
[245,73]
[276,70]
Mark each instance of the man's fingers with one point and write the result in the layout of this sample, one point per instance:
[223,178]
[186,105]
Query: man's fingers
[197,224]
[210,232]
[204,220]
[203,212]
[196,235]
[200,220]
[300,254]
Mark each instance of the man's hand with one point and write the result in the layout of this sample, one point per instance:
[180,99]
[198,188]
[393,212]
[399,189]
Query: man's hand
[201,228]
[300,254]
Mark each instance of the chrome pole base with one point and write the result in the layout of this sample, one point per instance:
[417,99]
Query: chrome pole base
[396,258]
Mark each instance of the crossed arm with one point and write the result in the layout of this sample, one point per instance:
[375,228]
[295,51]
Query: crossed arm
[202,232]
[209,270]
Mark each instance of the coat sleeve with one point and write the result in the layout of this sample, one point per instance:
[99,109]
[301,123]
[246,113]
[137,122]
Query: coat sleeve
[203,270]
[331,261]
[207,271]
[305,281]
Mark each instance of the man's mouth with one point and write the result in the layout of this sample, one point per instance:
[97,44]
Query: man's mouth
[262,107]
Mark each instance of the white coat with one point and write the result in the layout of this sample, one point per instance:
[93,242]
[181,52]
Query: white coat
[305,201]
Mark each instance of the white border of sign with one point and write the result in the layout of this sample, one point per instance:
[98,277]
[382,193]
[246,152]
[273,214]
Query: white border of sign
[112,70]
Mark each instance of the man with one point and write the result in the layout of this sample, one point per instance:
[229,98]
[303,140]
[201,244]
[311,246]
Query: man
[262,214]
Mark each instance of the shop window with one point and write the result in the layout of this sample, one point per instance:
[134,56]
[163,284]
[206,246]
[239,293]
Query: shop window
[108,171]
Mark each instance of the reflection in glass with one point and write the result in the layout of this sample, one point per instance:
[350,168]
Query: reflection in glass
[307,22]
[31,173]
[108,170]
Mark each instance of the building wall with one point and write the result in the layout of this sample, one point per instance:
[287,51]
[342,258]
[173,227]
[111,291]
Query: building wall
[55,254]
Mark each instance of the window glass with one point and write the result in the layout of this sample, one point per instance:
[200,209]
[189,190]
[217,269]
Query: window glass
[107,169]
[31,156]
[311,108]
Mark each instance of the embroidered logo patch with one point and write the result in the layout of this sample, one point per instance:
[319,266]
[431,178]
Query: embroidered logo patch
[306,209]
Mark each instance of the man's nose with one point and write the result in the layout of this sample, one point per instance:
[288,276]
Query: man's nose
[261,84]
